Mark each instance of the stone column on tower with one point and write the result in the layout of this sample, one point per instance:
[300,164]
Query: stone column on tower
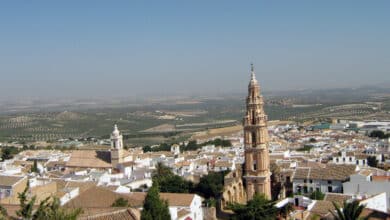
[256,170]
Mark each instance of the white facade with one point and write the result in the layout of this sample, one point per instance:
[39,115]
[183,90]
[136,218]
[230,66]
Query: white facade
[363,185]
[349,159]
[378,202]
[70,194]
[308,186]
[195,210]
[139,183]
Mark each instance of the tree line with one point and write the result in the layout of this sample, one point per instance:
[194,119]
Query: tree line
[209,186]
[192,145]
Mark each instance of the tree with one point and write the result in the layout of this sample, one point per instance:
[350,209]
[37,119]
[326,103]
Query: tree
[161,147]
[34,168]
[276,184]
[162,171]
[120,202]
[175,184]
[378,134]
[8,152]
[351,211]
[26,206]
[372,161]
[169,182]
[317,195]
[48,208]
[305,148]
[285,210]
[51,209]
[211,185]
[154,208]
[3,213]
[259,208]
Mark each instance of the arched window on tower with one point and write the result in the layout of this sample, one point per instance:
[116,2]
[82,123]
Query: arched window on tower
[254,163]
[253,117]
[254,141]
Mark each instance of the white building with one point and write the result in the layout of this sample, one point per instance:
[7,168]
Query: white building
[365,183]
[184,206]
[325,179]
[379,202]
[351,159]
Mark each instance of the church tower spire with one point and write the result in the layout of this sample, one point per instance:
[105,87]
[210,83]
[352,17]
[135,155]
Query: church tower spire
[253,76]
[257,166]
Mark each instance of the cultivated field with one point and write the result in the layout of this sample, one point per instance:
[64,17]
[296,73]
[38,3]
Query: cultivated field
[173,120]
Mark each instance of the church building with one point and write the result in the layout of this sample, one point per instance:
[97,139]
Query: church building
[114,158]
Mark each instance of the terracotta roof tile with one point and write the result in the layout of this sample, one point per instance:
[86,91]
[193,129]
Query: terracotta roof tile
[122,214]
[6,180]
[100,197]
[90,159]
[336,197]
[330,172]
[178,199]
[322,207]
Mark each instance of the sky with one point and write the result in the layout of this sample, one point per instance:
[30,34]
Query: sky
[94,48]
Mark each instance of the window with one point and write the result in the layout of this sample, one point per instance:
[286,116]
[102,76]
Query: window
[304,180]
[350,159]
[254,139]
[329,181]
[311,181]
[305,189]
[357,162]
[329,189]
[343,159]
[337,160]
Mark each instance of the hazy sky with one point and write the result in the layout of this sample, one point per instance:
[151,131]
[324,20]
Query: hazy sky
[127,48]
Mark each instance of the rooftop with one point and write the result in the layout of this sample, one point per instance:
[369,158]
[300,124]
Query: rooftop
[8,181]
[90,159]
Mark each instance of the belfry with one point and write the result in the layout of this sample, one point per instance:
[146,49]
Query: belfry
[257,165]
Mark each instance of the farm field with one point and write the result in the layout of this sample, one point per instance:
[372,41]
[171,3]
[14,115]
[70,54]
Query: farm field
[173,120]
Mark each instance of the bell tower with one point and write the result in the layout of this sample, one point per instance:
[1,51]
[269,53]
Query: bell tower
[257,166]
[116,147]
